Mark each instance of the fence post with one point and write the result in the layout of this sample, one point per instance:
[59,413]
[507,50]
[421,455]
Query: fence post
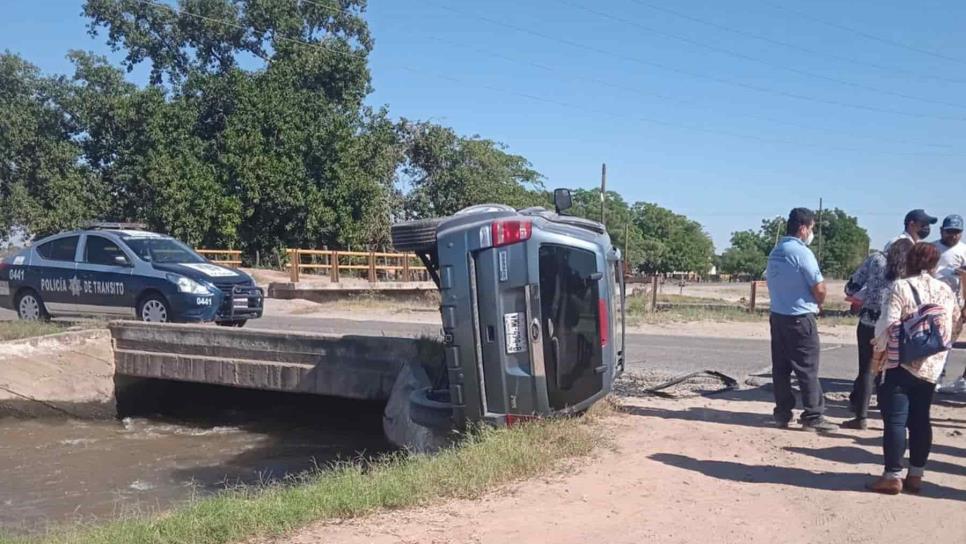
[295,261]
[372,267]
[334,266]
[405,265]
[753,300]
[654,293]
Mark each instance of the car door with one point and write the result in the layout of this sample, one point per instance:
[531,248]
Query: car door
[59,285]
[105,271]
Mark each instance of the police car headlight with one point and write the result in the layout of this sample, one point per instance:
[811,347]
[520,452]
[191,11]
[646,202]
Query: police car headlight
[189,286]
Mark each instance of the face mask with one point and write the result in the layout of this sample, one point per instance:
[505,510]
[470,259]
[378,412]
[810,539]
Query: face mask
[923,232]
[811,238]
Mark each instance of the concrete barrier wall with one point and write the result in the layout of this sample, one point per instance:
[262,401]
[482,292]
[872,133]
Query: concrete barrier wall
[69,373]
[358,367]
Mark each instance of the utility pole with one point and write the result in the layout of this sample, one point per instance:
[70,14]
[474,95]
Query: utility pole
[603,193]
[626,242]
[820,221]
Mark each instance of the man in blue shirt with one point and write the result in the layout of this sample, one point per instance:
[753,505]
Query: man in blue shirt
[797,291]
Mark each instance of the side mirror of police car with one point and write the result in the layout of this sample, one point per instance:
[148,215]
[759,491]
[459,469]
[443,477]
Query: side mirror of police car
[562,200]
[121,260]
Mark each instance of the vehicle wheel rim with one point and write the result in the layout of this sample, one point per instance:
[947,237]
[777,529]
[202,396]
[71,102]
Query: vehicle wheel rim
[154,311]
[29,308]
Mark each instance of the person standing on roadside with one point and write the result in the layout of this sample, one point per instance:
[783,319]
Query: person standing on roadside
[952,264]
[917,227]
[797,290]
[868,283]
[905,396]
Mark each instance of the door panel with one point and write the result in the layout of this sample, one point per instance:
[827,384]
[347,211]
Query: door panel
[105,285]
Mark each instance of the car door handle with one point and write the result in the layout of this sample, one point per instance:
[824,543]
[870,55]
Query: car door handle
[555,343]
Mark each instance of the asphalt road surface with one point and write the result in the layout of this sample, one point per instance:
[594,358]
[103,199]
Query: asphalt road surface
[673,355]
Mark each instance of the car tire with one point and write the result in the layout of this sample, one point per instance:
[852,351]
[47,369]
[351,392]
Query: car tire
[237,323]
[154,308]
[416,236]
[30,307]
[431,408]
[397,422]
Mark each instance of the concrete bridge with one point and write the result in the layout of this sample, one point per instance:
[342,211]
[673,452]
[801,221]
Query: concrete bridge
[357,367]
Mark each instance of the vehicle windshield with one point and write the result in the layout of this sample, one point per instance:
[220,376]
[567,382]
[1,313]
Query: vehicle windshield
[163,250]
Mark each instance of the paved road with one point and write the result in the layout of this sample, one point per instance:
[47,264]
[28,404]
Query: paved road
[667,354]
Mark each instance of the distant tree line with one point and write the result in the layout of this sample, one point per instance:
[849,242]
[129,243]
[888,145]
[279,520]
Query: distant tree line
[844,245]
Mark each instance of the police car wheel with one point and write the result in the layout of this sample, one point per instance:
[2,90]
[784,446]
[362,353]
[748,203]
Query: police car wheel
[30,307]
[154,309]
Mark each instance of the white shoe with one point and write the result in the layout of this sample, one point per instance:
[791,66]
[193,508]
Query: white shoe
[958,386]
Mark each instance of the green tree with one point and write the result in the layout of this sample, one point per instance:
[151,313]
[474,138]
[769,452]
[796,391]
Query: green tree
[44,185]
[444,172]
[844,246]
[681,245]
[746,254]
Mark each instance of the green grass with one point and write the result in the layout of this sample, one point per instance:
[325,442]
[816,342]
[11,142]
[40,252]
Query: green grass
[691,309]
[15,330]
[486,459]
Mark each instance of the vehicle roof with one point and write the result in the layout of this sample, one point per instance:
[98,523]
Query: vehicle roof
[113,232]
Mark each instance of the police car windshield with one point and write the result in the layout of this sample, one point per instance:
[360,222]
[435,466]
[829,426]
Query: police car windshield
[162,250]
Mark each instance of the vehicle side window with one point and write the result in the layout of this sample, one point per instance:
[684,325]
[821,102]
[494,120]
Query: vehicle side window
[102,251]
[61,249]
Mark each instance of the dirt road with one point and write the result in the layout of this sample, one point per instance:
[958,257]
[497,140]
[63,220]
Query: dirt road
[701,470]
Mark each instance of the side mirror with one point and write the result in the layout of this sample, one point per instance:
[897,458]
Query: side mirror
[121,260]
[562,200]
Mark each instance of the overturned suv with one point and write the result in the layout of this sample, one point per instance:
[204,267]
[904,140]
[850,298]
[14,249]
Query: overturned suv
[120,270]
[533,319]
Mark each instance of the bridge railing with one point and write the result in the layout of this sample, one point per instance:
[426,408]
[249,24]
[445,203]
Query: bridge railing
[373,266]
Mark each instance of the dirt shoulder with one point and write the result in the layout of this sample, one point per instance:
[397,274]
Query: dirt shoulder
[700,470]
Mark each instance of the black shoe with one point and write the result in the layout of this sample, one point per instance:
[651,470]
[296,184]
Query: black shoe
[819,425]
[859,423]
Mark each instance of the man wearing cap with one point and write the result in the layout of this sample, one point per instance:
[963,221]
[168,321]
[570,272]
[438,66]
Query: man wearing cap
[952,264]
[917,227]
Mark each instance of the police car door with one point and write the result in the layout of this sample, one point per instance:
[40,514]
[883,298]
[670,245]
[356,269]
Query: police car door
[58,284]
[105,271]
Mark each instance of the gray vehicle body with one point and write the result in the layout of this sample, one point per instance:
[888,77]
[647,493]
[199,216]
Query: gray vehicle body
[532,328]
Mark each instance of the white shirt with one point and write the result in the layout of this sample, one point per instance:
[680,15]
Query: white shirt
[951,260]
[904,234]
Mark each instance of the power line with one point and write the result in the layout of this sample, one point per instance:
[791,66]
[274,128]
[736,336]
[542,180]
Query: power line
[789,45]
[750,58]
[862,33]
[568,105]
[689,103]
[726,81]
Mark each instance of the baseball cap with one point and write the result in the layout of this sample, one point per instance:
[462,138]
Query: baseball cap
[920,216]
[953,222]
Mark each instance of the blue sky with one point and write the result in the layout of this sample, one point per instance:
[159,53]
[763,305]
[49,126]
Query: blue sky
[725,111]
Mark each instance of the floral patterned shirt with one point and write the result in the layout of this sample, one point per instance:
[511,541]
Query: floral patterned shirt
[870,284]
[901,303]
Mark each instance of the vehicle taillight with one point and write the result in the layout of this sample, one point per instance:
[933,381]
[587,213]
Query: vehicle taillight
[603,320]
[510,232]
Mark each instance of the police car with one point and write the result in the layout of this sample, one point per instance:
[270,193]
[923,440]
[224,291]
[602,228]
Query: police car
[117,270]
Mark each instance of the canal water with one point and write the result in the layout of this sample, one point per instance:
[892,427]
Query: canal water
[193,440]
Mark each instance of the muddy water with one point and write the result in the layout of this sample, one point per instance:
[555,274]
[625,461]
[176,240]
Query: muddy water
[195,442]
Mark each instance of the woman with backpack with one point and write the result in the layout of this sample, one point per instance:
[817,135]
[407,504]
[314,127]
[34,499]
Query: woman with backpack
[914,333]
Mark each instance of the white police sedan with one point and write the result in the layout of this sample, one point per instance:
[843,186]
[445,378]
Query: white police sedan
[115,270]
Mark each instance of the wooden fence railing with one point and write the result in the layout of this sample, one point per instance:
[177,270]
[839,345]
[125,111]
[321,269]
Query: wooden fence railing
[227,257]
[373,266]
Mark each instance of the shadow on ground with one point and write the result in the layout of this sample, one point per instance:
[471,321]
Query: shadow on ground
[763,474]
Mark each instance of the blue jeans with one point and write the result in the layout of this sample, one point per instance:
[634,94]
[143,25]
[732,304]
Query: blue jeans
[904,401]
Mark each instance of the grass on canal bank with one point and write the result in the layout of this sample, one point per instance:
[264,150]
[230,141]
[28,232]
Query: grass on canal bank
[486,459]
[16,330]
